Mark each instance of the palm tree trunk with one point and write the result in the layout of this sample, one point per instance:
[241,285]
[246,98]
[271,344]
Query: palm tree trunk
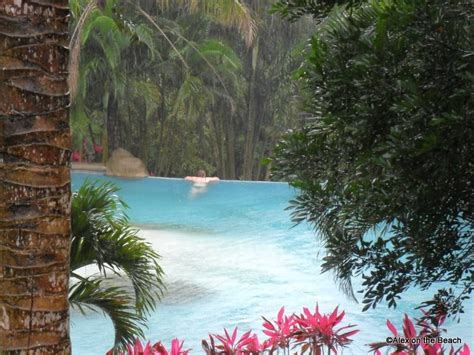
[145,132]
[161,120]
[222,145]
[113,128]
[268,171]
[252,117]
[35,188]
[230,148]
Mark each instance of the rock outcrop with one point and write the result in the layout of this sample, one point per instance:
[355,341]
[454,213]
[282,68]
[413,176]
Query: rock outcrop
[122,163]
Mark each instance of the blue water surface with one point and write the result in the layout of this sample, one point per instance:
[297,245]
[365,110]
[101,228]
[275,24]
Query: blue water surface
[231,254]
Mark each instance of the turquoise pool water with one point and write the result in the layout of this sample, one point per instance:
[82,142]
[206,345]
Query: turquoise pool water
[231,254]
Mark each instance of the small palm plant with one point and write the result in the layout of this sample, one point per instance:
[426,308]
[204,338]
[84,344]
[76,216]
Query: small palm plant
[102,236]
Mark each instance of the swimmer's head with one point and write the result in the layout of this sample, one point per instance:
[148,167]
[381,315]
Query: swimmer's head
[201,173]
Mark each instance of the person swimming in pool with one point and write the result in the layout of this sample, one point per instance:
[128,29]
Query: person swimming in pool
[200,179]
[200,182]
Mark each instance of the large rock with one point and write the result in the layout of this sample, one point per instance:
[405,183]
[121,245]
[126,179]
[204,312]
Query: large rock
[122,163]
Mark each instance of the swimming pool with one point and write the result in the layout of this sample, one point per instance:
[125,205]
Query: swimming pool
[231,255]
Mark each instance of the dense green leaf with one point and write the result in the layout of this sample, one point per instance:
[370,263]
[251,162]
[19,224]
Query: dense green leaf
[385,163]
[103,237]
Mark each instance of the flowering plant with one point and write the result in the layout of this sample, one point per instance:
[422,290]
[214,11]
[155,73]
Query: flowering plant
[157,349]
[426,341]
[315,333]
[280,331]
[227,344]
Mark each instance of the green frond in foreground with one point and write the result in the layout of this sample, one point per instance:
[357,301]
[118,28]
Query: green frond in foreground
[102,236]
[93,294]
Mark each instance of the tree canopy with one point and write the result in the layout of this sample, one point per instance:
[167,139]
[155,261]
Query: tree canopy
[384,165]
[185,85]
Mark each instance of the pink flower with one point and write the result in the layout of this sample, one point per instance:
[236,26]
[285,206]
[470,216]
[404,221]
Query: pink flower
[279,331]
[430,331]
[255,347]
[76,155]
[319,329]
[465,350]
[138,349]
[228,344]
[408,328]
[160,348]
[157,349]
[177,348]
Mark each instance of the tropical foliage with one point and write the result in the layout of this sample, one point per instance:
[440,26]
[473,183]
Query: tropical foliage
[384,164]
[103,238]
[315,333]
[309,332]
[184,84]
[176,348]
[428,339]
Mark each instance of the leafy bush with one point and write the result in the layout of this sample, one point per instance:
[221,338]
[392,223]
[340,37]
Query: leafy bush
[314,333]
[388,147]
[311,332]
[176,348]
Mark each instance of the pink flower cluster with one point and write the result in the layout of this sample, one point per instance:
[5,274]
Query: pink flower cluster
[157,349]
[314,333]
[309,330]
[426,341]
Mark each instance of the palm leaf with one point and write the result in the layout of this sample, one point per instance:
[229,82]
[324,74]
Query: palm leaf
[217,51]
[102,236]
[149,92]
[229,13]
[145,35]
[93,294]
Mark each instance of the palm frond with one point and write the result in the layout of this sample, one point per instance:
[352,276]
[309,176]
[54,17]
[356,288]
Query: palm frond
[101,235]
[220,52]
[93,294]
[148,91]
[144,34]
[155,24]
[210,65]
[229,13]
[191,94]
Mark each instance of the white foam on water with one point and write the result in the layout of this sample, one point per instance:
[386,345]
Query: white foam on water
[219,281]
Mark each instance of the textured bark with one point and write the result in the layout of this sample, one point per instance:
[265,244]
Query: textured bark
[249,151]
[34,177]
[113,127]
[230,148]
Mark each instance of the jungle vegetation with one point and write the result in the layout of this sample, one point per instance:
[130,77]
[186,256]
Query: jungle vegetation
[185,84]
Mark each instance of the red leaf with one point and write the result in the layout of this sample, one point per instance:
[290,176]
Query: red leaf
[270,334]
[348,334]
[392,328]
[280,314]
[465,350]
[269,326]
[409,328]
[234,336]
